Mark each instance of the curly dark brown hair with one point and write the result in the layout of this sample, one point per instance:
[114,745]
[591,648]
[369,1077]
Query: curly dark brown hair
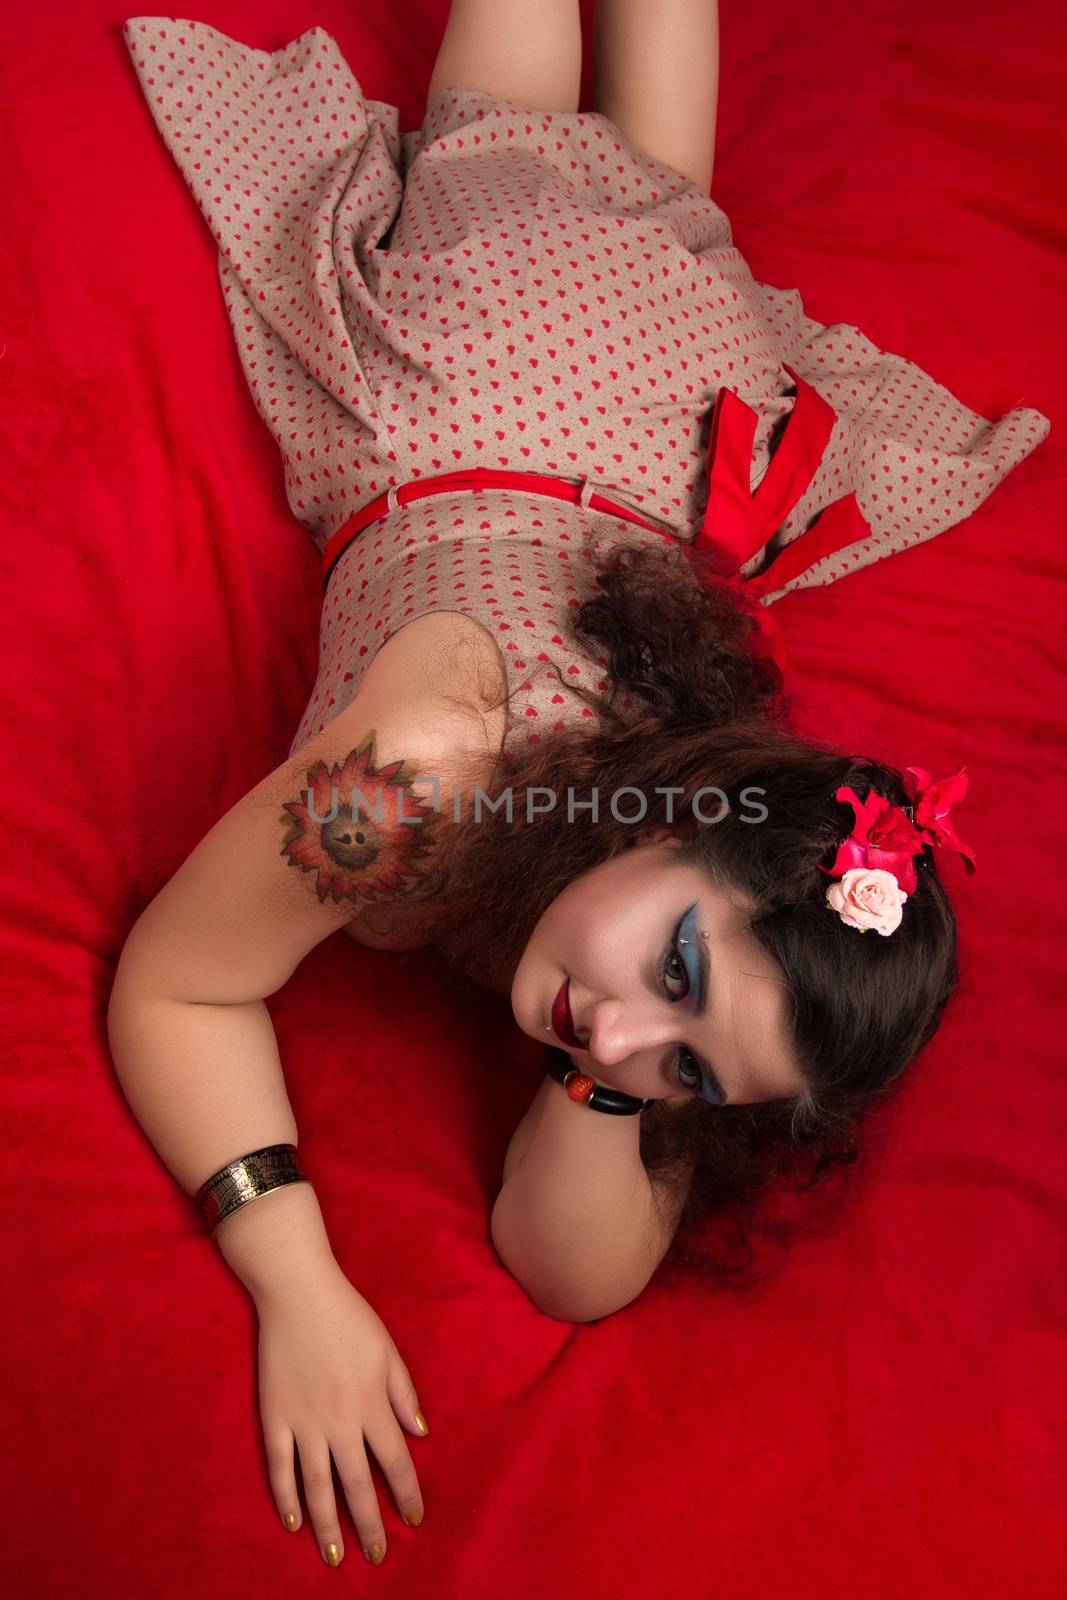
[690,704]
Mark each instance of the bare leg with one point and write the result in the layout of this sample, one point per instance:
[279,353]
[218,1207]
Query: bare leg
[529,51]
[656,74]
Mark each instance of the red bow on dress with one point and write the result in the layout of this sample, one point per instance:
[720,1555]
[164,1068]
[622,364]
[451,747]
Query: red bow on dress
[738,522]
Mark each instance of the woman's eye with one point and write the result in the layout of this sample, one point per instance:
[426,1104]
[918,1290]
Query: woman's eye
[680,1069]
[683,976]
[672,957]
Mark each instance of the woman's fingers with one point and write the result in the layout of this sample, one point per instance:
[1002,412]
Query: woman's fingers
[353,1469]
[281,1469]
[386,1439]
[389,1445]
[400,1388]
[318,1492]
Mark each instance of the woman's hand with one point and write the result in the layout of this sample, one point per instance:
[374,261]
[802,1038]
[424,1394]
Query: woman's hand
[330,1381]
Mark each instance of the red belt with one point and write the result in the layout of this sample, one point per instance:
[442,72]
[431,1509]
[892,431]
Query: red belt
[736,521]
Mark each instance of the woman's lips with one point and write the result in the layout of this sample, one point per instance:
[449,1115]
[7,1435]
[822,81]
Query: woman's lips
[561,1017]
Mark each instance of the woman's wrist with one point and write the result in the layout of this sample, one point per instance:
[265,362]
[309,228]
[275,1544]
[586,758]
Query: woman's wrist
[569,1130]
[277,1243]
[580,1086]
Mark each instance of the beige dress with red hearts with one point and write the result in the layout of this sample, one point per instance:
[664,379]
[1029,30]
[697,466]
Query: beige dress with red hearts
[510,288]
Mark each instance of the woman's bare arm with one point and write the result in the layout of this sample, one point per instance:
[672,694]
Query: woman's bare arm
[205,1083]
[191,1037]
[577,1222]
[520,1139]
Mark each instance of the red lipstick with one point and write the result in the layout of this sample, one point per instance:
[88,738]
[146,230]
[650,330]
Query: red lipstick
[562,1021]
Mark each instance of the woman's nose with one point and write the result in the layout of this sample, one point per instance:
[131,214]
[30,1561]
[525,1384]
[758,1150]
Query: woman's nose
[617,1032]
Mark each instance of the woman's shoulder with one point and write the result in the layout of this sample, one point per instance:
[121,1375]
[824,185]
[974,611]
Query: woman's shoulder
[447,669]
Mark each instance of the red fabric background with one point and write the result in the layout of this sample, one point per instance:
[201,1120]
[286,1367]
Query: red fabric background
[886,1415]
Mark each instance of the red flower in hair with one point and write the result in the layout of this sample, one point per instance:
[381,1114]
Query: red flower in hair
[883,839]
[931,803]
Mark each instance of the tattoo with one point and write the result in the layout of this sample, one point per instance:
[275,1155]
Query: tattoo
[349,827]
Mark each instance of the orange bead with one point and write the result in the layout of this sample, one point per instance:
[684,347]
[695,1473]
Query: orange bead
[581,1088]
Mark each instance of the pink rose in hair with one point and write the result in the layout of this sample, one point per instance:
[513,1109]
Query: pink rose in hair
[867,897]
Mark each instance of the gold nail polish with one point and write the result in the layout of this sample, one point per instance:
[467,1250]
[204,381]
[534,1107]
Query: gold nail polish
[290,1521]
[377,1554]
[421,1423]
[333,1555]
[413,1519]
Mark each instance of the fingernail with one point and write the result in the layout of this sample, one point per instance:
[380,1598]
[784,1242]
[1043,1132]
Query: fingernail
[375,1555]
[333,1555]
[421,1423]
[413,1519]
[290,1521]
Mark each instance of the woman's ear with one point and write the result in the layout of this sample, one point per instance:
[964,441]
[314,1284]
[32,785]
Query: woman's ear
[663,832]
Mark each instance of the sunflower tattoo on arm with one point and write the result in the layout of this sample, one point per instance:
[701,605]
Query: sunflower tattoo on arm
[359,827]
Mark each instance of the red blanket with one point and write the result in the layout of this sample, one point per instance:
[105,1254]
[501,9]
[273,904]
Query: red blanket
[886,1414]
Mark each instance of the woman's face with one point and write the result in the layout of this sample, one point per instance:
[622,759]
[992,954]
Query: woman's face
[616,933]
